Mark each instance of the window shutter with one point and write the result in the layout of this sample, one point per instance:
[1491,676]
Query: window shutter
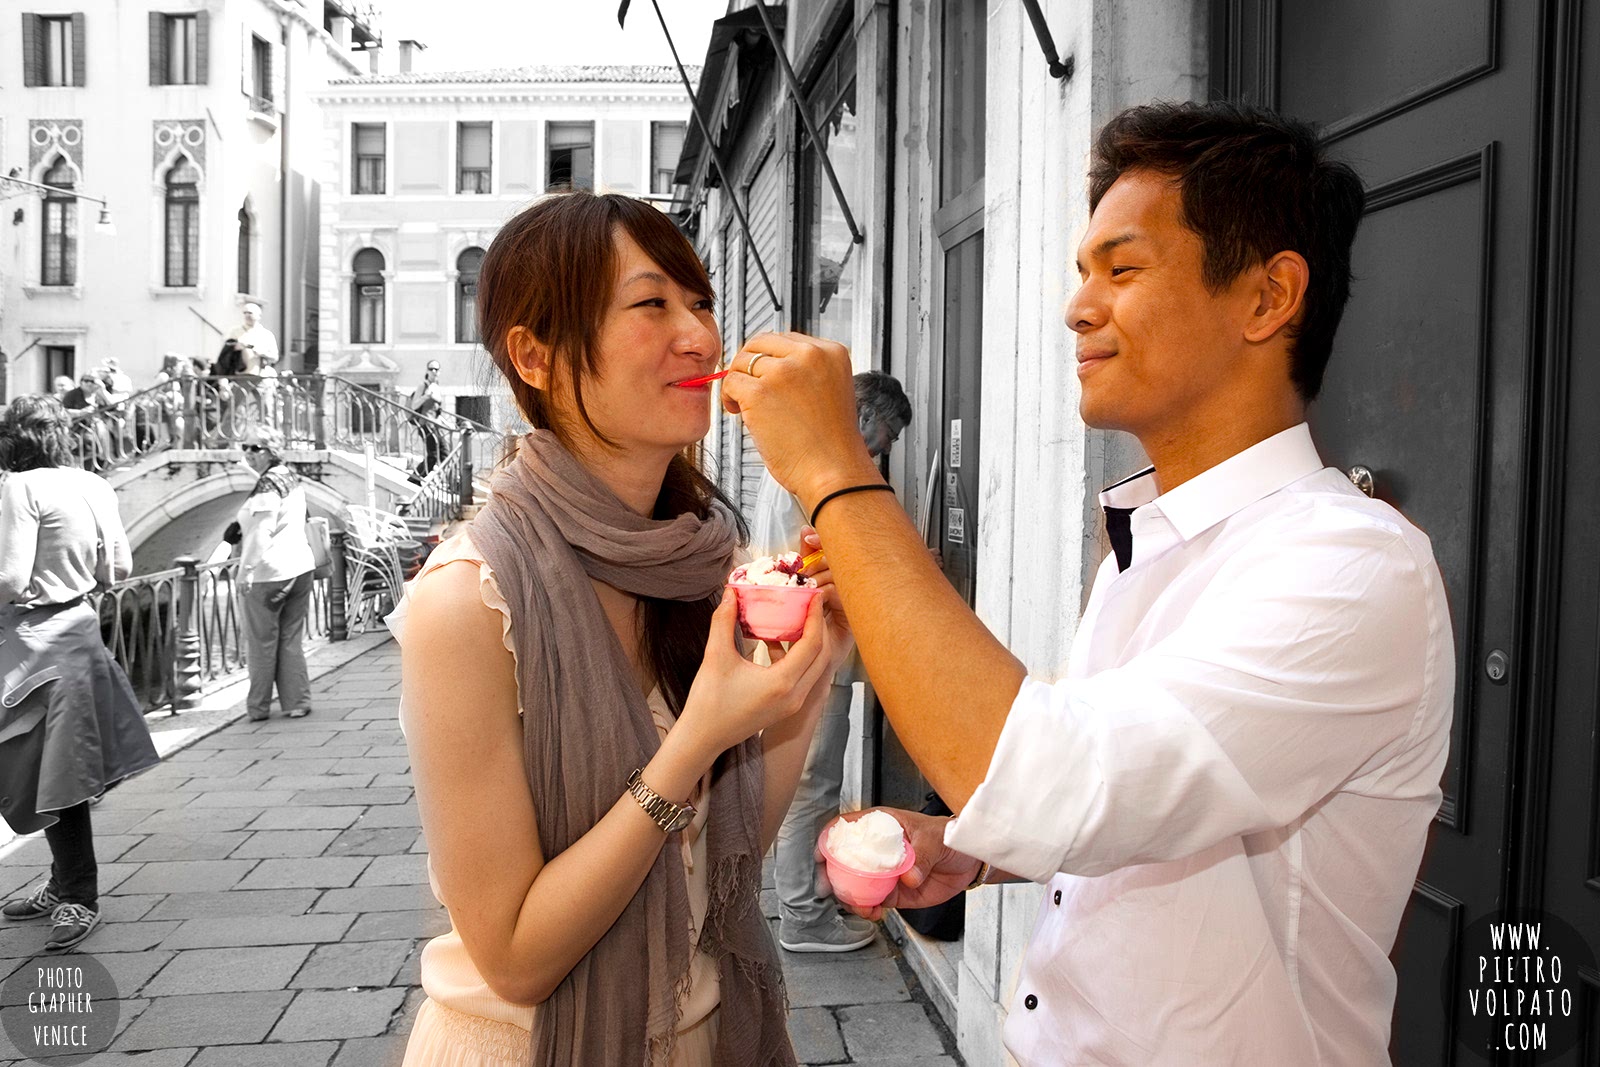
[202,48]
[77,48]
[246,59]
[275,61]
[158,49]
[30,48]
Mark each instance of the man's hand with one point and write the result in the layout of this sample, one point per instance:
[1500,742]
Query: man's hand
[800,406]
[940,872]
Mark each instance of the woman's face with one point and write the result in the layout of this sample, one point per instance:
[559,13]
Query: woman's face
[655,333]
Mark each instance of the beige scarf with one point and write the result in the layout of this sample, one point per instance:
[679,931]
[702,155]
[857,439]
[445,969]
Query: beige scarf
[550,527]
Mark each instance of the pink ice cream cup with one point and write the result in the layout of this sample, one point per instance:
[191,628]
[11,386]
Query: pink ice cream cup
[774,612]
[863,889]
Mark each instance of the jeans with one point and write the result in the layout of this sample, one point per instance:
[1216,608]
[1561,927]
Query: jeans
[816,803]
[275,627]
[73,870]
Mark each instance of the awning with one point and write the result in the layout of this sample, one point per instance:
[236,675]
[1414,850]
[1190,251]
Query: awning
[740,33]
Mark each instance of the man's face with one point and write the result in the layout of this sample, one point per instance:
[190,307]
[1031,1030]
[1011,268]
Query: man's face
[432,374]
[1157,351]
[249,317]
[880,434]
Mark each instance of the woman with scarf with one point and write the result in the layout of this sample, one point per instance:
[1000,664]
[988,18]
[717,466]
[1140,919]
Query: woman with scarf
[598,769]
[275,570]
[70,725]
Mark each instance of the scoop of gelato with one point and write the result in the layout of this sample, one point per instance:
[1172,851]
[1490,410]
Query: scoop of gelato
[873,842]
[772,570]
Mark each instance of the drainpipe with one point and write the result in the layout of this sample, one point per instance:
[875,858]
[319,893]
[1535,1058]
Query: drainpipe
[284,257]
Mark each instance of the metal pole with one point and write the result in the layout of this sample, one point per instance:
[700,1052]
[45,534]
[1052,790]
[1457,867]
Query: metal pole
[805,117]
[338,623]
[1041,29]
[716,159]
[186,681]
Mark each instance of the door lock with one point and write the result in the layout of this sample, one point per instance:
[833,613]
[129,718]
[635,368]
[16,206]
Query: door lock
[1497,667]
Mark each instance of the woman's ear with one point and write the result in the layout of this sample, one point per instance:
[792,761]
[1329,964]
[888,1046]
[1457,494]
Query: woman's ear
[529,358]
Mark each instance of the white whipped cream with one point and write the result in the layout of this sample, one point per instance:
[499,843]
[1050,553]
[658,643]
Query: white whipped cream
[873,842]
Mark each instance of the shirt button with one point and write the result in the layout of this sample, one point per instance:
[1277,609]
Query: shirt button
[1058,896]
[1030,1002]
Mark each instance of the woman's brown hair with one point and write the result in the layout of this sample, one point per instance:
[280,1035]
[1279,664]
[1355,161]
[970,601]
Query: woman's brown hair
[553,270]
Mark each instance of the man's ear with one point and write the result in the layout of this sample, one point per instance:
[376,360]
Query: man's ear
[529,358]
[1280,296]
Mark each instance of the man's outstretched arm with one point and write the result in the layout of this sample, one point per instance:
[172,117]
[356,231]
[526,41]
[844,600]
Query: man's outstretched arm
[945,682]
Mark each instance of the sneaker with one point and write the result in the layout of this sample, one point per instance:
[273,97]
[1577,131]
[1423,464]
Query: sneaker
[298,713]
[73,923]
[836,933]
[41,903]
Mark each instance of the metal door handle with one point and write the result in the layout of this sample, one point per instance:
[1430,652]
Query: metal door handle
[1361,478]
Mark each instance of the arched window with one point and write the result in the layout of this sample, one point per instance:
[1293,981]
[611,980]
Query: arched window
[247,247]
[183,225]
[468,263]
[59,257]
[367,327]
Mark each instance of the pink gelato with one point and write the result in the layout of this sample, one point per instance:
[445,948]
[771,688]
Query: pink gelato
[773,597]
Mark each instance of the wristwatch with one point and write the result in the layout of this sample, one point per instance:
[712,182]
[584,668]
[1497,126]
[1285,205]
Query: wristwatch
[667,815]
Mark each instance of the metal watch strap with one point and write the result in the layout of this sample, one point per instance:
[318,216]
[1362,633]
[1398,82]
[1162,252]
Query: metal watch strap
[663,812]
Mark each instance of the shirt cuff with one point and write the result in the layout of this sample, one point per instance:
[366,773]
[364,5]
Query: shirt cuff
[1042,784]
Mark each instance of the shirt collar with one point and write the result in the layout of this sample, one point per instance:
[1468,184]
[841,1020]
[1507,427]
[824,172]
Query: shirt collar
[1227,488]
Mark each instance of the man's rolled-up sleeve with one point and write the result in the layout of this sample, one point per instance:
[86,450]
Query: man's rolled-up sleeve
[1288,683]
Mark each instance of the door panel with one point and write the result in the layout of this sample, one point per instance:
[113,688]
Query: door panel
[1429,382]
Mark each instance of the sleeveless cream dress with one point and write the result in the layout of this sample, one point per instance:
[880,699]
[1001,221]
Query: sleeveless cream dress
[463,1023]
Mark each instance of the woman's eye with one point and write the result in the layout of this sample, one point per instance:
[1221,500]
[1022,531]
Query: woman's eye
[705,305]
[654,301]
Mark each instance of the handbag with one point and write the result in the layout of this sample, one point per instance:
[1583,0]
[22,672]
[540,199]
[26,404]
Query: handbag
[321,546]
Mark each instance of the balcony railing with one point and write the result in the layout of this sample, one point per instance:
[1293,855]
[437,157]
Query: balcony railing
[176,631]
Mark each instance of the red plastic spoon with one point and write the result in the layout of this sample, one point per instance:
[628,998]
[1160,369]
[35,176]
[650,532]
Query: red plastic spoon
[707,379]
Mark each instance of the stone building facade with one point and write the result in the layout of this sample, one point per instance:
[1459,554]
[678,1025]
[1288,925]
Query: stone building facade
[421,169]
[191,119]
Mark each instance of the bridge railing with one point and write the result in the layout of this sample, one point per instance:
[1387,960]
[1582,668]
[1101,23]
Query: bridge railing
[174,632]
[309,411]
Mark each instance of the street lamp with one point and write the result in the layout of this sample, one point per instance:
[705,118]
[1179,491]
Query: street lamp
[103,225]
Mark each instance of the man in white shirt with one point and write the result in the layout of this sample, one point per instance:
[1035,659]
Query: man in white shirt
[254,338]
[1228,788]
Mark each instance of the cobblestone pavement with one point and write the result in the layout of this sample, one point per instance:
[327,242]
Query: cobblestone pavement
[265,901]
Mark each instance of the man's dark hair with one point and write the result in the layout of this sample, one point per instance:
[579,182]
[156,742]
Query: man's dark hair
[1253,184]
[880,394]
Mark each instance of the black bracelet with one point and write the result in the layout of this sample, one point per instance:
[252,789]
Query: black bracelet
[842,492]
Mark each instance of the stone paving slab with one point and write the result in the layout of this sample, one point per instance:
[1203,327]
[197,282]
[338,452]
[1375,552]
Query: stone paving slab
[204,1019]
[228,970]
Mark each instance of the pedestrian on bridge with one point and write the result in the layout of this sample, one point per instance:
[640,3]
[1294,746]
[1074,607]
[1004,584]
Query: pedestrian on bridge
[275,568]
[70,724]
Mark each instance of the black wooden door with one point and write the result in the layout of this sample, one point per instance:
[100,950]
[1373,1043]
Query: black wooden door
[1435,375]
[1564,818]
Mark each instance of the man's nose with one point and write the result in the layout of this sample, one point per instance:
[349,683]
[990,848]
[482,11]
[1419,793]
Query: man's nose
[1086,311]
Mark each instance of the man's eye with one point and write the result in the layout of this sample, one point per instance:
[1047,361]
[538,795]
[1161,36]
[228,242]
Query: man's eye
[1116,271]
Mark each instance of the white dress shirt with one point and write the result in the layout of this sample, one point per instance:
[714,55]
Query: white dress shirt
[1229,790]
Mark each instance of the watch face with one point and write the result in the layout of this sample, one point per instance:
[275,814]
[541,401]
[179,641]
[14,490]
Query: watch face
[685,817]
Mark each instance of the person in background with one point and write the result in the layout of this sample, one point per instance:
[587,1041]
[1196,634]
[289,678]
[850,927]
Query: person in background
[808,922]
[118,383]
[254,339]
[426,407]
[62,387]
[275,565]
[72,723]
